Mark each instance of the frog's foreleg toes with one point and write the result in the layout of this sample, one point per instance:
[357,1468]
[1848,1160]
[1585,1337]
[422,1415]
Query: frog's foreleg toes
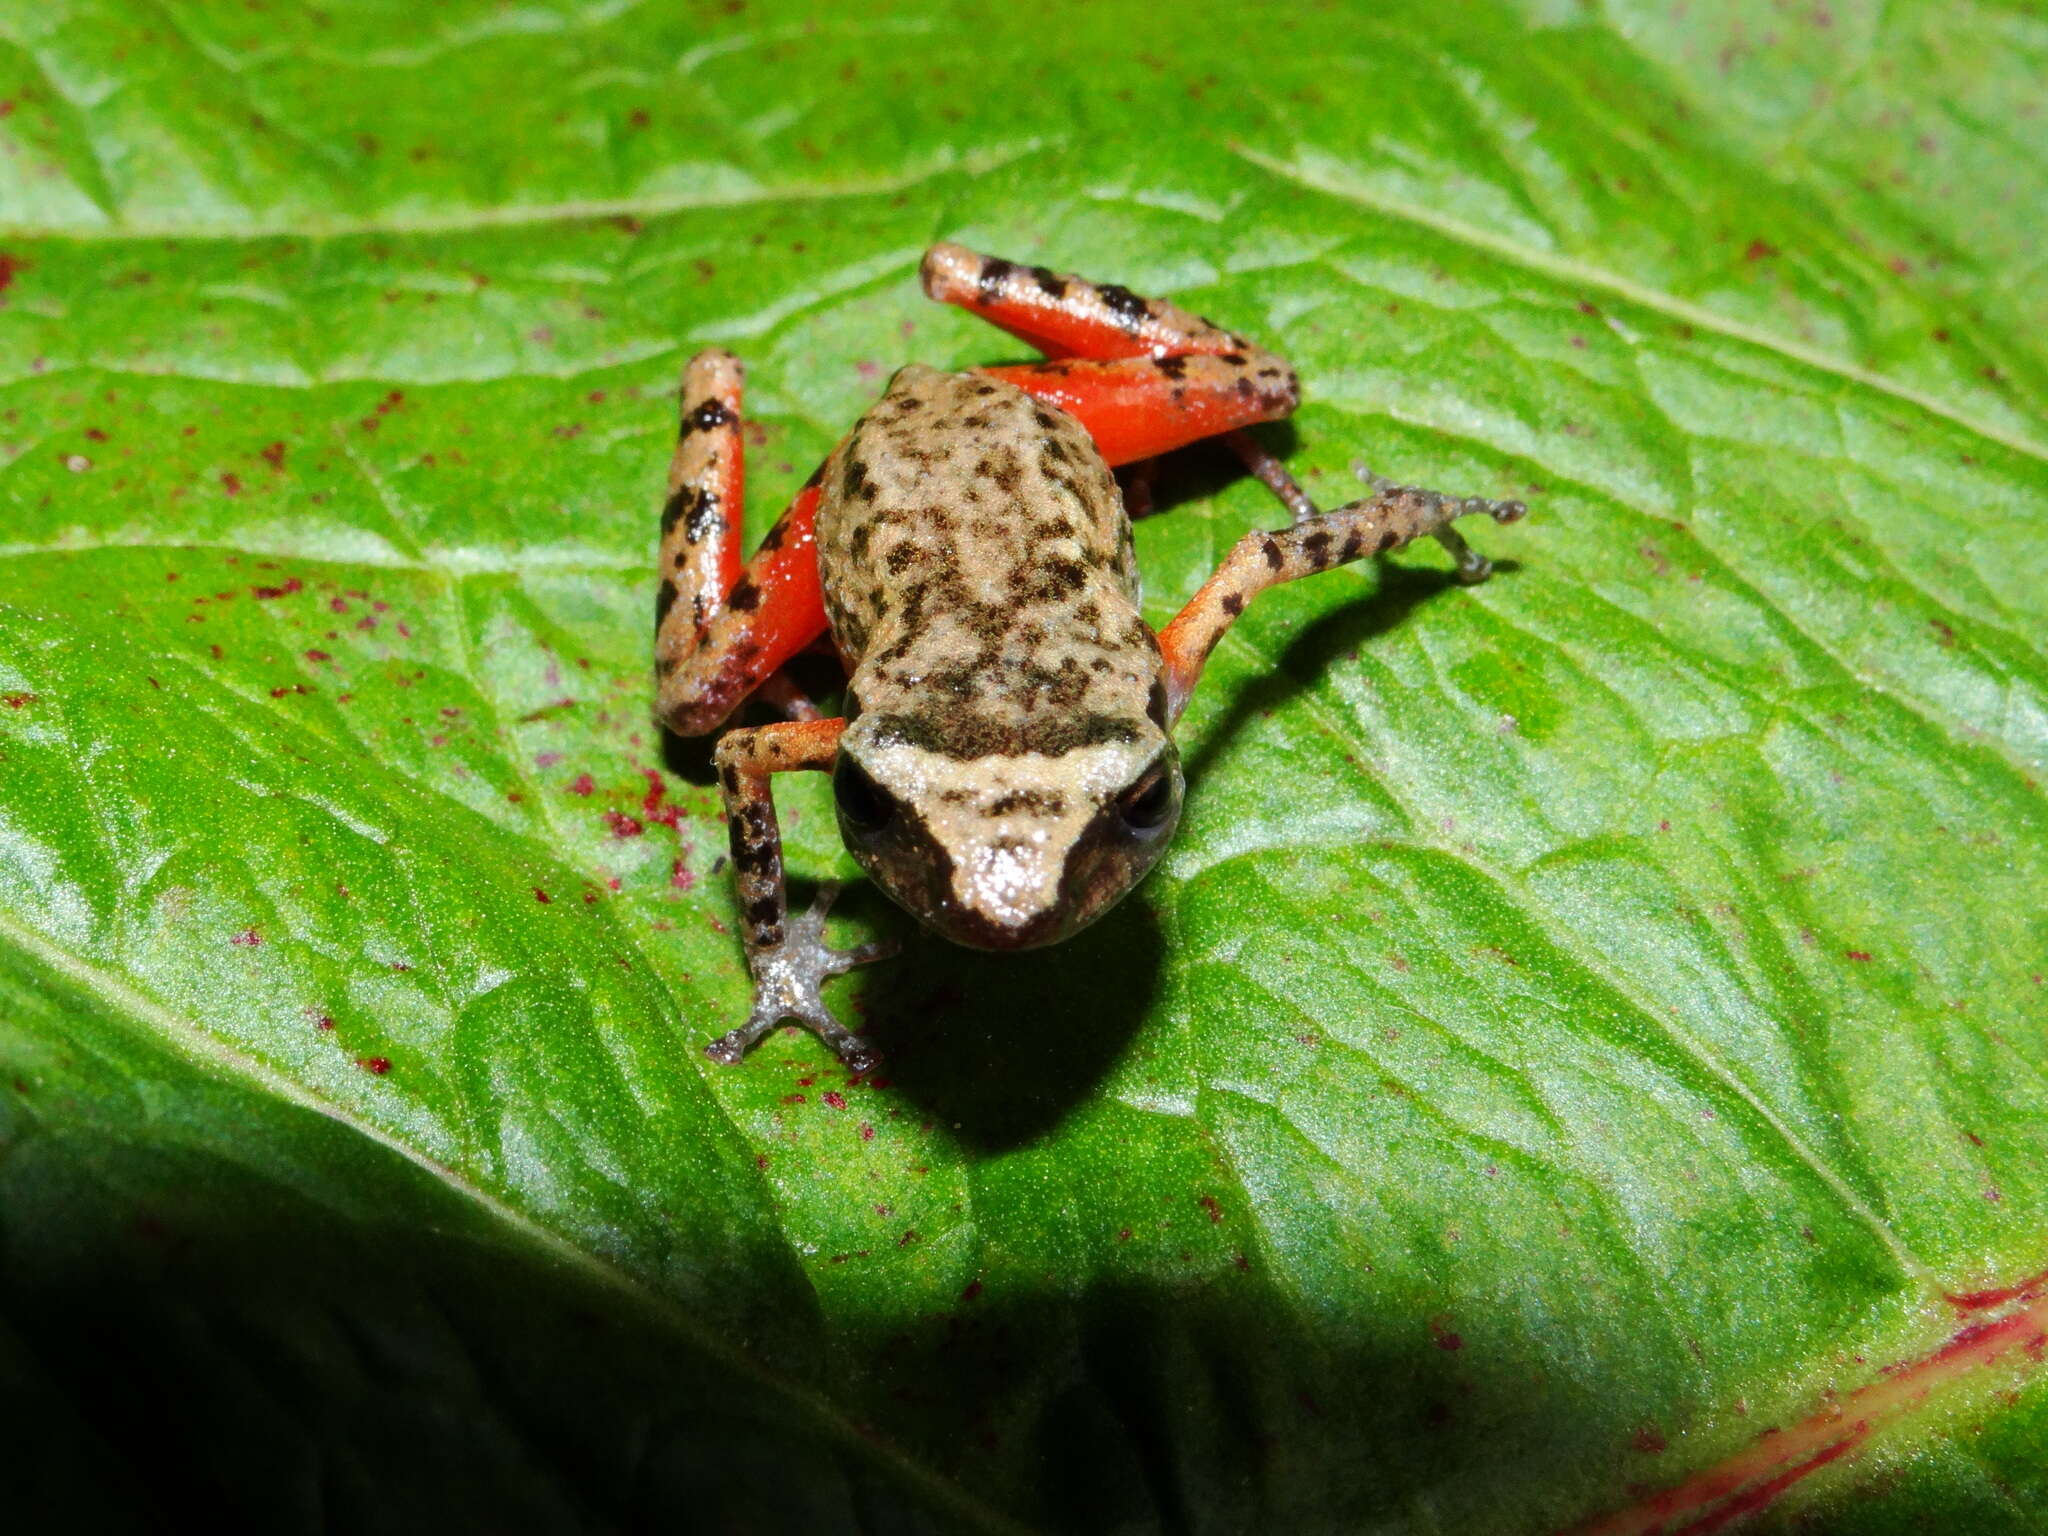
[731,1048]
[789,979]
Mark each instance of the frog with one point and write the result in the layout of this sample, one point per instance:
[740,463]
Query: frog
[1003,766]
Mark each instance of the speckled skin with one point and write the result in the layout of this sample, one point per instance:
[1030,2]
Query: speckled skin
[1004,768]
[979,577]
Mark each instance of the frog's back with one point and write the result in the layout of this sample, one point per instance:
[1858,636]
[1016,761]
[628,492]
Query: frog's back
[976,559]
[959,490]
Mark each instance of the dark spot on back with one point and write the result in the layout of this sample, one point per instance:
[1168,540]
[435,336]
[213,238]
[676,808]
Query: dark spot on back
[964,733]
[1050,283]
[745,597]
[664,599]
[1172,367]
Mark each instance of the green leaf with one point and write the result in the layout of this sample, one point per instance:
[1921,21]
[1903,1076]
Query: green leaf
[1586,1019]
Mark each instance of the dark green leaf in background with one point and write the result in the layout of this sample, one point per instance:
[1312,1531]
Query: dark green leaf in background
[1585,1020]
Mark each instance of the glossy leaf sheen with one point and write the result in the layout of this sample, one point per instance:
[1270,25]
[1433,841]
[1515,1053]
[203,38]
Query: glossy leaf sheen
[1583,1020]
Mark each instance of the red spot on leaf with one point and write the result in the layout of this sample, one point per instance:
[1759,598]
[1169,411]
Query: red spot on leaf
[836,1100]
[9,265]
[973,1290]
[541,896]
[867,1132]
[18,700]
[622,825]
[1649,1440]
[582,784]
[654,804]
[292,585]
[248,938]
[231,483]
[1759,250]
[273,455]
[1208,1203]
[1857,954]
[318,656]
[376,1065]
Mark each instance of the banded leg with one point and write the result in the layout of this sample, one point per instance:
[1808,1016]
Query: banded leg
[788,956]
[1142,375]
[721,632]
[1384,521]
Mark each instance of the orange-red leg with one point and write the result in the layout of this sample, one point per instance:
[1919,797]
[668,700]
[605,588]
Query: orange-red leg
[1142,375]
[720,631]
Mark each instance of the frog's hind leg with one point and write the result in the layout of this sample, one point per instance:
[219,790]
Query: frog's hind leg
[1383,521]
[788,956]
[1142,375]
[720,631]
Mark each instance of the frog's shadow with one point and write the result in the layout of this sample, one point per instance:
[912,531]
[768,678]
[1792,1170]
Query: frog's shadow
[1000,1048]
[1330,642]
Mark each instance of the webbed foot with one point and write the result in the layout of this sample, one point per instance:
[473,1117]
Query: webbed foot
[788,979]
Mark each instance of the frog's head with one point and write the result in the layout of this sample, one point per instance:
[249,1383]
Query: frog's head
[1006,838]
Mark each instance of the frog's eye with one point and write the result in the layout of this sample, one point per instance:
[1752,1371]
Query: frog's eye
[1147,803]
[863,804]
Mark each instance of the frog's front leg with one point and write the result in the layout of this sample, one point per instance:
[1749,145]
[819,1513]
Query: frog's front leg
[1378,524]
[789,957]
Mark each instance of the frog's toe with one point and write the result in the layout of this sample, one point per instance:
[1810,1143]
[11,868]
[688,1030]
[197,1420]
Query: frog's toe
[788,984]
